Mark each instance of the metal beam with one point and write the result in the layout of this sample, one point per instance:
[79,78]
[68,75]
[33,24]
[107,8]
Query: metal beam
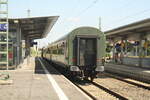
[134,26]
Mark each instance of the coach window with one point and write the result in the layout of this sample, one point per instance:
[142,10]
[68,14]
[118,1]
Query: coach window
[66,49]
[59,51]
[54,51]
[49,51]
[109,48]
[62,51]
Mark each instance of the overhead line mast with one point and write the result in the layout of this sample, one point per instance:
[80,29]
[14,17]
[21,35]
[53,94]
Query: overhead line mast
[100,23]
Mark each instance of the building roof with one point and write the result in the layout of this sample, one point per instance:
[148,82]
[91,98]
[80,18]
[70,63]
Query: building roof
[34,27]
[137,27]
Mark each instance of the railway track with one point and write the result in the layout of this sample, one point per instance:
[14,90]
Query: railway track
[115,94]
[111,95]
[85,91]
[140,90]
[112,87]
[130,81]
[130,89]
[79,82]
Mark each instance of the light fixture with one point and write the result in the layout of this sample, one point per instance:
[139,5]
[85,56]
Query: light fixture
[16,21]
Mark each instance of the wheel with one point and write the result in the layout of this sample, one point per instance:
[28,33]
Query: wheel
[91,78]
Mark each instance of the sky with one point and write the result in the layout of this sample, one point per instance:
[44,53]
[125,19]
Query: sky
[77,13]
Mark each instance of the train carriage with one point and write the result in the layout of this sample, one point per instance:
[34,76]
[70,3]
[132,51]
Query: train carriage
[82,52]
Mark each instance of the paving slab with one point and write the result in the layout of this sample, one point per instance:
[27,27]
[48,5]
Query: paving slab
[27,85]
[30,82]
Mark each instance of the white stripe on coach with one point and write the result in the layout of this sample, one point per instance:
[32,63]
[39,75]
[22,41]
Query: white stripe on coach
[58,90]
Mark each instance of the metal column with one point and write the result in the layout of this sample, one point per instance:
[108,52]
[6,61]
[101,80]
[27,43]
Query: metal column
[18,47]
[28,50]
[4,28]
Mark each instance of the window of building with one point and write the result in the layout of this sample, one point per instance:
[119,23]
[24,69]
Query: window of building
[132,48]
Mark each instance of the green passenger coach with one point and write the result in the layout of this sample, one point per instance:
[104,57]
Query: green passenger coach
[81,52]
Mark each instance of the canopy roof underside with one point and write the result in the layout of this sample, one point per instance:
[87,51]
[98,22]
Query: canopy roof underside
[35,27]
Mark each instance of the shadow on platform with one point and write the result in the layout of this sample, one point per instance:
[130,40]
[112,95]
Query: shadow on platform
[39,69]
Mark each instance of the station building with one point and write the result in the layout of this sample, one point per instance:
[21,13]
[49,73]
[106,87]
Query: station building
[21,33]
[130,44]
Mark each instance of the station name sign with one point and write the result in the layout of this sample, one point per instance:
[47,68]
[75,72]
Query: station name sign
[3,27]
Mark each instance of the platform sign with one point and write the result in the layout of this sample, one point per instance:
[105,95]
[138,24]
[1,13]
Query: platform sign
[3,27]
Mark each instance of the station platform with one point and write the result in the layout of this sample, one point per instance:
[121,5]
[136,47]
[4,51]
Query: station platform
[34,82]
[129,71]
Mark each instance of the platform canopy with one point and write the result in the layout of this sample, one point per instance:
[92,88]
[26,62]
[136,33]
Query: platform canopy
[140,27]
[34,27]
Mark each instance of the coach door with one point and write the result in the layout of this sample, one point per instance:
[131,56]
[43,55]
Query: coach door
[86,51]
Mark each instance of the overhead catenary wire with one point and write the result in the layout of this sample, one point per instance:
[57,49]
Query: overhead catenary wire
[91,5]
[87,8]
[130,16]
[127,4]
[75,6]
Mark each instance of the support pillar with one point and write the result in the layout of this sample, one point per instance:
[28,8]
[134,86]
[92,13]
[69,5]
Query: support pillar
[28,50]
[19,50]
[126,49]
[114,51]
[141,50]
[123,48]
